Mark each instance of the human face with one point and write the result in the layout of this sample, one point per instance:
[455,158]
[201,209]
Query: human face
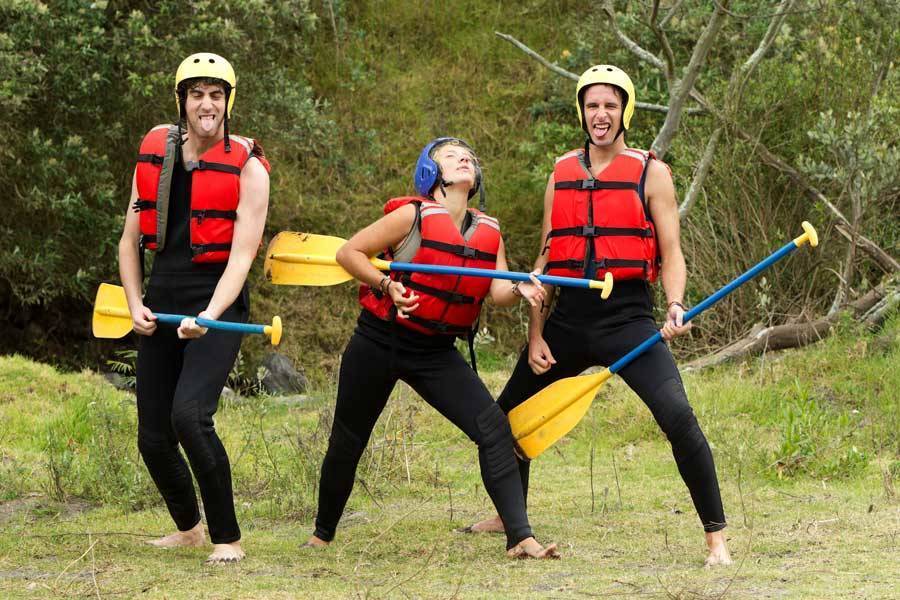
[205,110]
[458,165]
[602,113]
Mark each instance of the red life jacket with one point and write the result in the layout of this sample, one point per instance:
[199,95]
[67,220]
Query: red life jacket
[609,210]
[448,304]
[215,191]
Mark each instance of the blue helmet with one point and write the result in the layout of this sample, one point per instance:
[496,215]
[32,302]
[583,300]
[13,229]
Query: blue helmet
[428,174]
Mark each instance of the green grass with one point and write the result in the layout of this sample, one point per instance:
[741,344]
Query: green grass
[805,444]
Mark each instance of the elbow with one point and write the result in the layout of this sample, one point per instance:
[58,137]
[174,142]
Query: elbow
[127,244]
[343,255]
[502,300]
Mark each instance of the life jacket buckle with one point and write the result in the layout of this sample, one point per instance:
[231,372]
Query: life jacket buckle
[469,251]
[588,231]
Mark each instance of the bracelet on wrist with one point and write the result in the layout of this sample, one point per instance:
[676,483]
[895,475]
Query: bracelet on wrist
[676,303]
[385,284]
[515,289]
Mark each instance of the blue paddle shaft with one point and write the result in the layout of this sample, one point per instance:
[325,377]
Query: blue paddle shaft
[223,325]
[760,267]
[491,273]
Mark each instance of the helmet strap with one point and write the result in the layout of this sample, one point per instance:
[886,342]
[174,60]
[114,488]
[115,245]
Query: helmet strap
[227,98]
[227,141]
[482,205]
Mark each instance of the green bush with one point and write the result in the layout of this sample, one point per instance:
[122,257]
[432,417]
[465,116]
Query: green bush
[81,83]
[90,449]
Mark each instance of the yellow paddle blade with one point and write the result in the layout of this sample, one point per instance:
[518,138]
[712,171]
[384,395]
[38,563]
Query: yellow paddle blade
[294,258]
[111,316]
[553,412]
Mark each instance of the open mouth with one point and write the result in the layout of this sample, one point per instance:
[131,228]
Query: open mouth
[601,129]
[207,122]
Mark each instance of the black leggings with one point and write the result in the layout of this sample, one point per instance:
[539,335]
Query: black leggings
[178,387]
[369,371]
[653,376]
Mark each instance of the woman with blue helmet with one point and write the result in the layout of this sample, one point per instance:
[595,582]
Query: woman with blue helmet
[407,329]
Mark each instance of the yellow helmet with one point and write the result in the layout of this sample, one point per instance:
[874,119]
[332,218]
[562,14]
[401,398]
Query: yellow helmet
[206,64]
[609,75]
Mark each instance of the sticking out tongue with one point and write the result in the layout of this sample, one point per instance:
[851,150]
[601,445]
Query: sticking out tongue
[207,123]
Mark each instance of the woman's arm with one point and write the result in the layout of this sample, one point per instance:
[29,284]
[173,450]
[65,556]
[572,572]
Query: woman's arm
[388,231]
[507,293]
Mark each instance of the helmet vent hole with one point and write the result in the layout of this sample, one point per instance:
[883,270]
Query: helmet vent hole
[607,68]
[212,60]
[196,60]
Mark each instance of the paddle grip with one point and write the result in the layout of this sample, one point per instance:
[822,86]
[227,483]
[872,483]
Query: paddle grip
[221,325]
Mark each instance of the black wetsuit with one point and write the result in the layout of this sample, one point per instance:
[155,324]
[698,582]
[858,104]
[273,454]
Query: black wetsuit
[380,353]
[179,381]
[584,331]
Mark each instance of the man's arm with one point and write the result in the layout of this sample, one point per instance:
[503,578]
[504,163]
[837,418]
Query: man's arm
[248,229]
[540,359]
[142,318]
[660,191]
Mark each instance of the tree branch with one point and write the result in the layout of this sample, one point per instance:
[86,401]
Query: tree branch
[778,337]
[765,43]
[569,75]
[701,172]
[664,43]
[629,43]
[552,66]
[671,13]
[882,258]
[735,87]
[682,90]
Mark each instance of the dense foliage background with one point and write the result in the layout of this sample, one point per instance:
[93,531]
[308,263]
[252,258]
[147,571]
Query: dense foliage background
[343,95]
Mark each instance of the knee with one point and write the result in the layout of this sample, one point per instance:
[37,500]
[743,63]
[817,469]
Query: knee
[153,443]
[187,428]
[495,441]
[676,418]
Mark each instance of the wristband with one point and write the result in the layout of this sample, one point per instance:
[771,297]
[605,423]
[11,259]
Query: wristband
[515,289]
[385,284]
[676,303]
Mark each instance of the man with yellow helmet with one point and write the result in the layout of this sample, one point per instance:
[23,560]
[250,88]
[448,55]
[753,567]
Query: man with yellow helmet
[611,208]
[199,198]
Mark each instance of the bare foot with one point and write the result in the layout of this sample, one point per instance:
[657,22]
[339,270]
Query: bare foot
[225,553]
[492,525]
[314,542]
[192,538]
[529,548]
[718,549]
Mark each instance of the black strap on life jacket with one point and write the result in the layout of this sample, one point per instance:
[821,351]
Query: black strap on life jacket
[156,159]
[592,231]
[202,165]
[445,295]
[603,263]
[595,184]
[459,250]
[439,327]
[141,204]
[204,248]
[470,338]
[209,213]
